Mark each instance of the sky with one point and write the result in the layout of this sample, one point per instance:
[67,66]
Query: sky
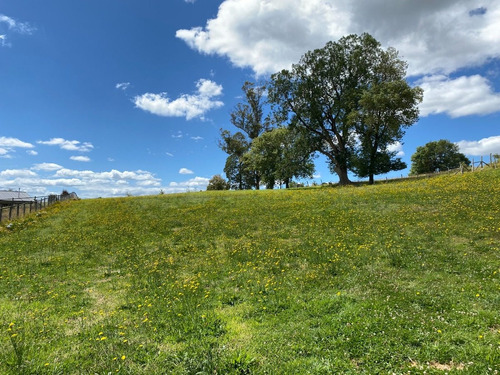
[127,97]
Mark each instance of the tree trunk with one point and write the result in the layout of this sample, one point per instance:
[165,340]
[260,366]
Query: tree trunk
[371,180]
[343,177]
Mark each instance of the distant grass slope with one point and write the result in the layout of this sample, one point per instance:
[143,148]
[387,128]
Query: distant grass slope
[398,278]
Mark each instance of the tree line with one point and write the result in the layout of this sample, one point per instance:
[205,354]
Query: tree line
[348,101]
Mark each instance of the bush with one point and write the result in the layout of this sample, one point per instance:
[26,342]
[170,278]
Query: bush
[217,182]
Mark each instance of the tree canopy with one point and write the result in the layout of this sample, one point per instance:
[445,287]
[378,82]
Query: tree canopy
[280,155]
[437,156]
[351,98]
[248,117]
[217,182]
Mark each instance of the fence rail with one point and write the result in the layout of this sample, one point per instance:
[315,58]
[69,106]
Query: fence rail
[20,208]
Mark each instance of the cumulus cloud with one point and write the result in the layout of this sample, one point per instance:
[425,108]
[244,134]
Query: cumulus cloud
[194,183]
[197,138]
[47,167]
[80,158]
[68,145]
[8,145]
[189,106]
[13,173]
[437,38]
[458,97]
[485,146]
[185,171]
[396,147]
[48,178]
[434,36]
[14,142]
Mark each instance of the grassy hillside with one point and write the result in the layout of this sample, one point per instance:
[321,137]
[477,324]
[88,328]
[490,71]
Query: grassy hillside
[397,278]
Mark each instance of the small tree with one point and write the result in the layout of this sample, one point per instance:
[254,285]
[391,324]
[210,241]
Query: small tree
[248,117]
[217,182]
[437,156]
[280,155]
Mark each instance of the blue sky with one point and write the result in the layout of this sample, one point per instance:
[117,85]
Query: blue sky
[116,97]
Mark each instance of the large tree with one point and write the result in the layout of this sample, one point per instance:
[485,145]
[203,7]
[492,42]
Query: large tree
[437,156]
[325,89]
[280,155]
[248,117]
[387,107]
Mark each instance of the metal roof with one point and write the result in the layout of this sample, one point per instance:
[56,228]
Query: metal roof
[9,195]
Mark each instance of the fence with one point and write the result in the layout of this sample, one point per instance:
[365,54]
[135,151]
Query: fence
[17,209]
[494,162]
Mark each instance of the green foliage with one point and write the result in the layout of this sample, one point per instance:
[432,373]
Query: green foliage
[390,278]
[280,155]
[386,109]
[437,156]
[347,91]
[248,117]
[217,182]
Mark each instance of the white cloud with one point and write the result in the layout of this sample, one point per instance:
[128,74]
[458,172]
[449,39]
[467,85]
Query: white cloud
[19,27]
[458,97]
[194,183]
[436,37]
[178,135]
[68,145]
[185,171]
[13,26]
[8,145]
[483,147]
[80,158]
[197,138]
[396,147]
[47,167]
[48,178]
[3,40]
[14,142]
[32,152]
[188,106]
[169,154]
[122,86]
[13,173]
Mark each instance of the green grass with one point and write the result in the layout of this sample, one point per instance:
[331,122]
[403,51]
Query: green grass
[399,278]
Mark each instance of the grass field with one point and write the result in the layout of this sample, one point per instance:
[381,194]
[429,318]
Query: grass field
[397,278]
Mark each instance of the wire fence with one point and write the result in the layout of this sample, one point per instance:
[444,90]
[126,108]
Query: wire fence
[475,165]
[18,208]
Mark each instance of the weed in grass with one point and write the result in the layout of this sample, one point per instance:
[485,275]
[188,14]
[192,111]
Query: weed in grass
[392,278]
